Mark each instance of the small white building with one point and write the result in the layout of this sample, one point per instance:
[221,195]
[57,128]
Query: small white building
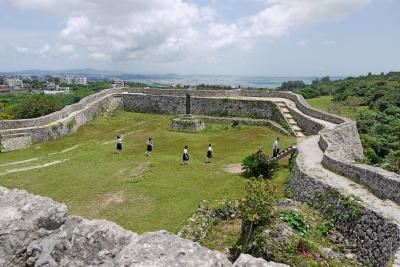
[74,80]
[60,90]
[14,83]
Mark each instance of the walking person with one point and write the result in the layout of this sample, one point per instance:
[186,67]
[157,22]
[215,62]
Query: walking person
[149,148]
[209,154]
[185,157]
[119,144]
[275,148]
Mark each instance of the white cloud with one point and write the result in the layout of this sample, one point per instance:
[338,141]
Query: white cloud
[126,30]
[66,49]
[166,30]
[280,17]
[302,43]
[328,43]
[22,50]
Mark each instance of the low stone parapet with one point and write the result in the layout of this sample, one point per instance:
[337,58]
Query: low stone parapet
[377,238]
[12,142]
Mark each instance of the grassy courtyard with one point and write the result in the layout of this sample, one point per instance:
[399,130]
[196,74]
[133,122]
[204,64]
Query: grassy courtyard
[139,193]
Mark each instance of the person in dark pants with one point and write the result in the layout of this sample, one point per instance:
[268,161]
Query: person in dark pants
[185,157]
[149,148]
[209,154]
[275,148]
[119,144]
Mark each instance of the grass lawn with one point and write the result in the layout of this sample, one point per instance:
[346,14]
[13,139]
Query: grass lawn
[139,193]
[322,103]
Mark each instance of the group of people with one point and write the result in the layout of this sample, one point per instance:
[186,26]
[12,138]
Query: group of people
[149,150]
[185,156]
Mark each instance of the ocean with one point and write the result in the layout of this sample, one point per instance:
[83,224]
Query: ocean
[234,81]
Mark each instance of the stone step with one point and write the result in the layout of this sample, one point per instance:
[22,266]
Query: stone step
[296,128]
[292,121]
[298,134]
[285,110]
[288,116]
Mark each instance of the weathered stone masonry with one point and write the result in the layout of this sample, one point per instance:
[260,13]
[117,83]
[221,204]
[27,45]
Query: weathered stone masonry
[377,237]
[36,231]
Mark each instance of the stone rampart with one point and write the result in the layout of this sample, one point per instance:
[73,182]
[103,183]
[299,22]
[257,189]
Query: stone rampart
[376,237]
[58,115]
[66,124]
[245,121]
[342,148]
[158,104]
[230,107]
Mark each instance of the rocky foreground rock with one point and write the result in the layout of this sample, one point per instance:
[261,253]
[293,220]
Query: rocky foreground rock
[36,231]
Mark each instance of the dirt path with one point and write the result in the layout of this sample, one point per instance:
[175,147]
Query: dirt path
[233,168]
[33,167]
[19,162]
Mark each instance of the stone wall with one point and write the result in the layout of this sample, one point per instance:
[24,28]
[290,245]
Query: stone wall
[12,142]
[342,148]
[245,121]
[157,104]
[229,107]
[376,237]
[58,115]
[68,124]
[36,231]
[301,104]
[183,92]
[308,126]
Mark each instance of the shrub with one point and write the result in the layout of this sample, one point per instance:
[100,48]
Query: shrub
[323,229]
[259,164]
[295,220]
[255,209]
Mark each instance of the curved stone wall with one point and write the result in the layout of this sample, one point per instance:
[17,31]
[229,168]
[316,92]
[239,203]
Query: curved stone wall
[58,115]
[377,236]
[341,152]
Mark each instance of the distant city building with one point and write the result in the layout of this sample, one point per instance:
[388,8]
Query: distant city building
[118,84]
[4,89]
[51,86]
[14,83]
[74,80]
[61,90]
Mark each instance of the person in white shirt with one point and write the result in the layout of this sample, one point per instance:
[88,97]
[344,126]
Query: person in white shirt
[185,157]
[209,154]
[149,148]
[119,144]
[275,148]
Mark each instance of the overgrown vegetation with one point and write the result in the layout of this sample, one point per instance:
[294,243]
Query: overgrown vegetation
[33,105]
[260,165]
[295,220]
[373,101]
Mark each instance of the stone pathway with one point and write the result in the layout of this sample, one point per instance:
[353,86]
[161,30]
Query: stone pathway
[310,157]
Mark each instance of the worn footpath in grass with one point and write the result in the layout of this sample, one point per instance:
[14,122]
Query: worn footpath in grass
[139,193]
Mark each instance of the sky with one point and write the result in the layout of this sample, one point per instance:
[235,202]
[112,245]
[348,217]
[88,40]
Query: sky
[219,37]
